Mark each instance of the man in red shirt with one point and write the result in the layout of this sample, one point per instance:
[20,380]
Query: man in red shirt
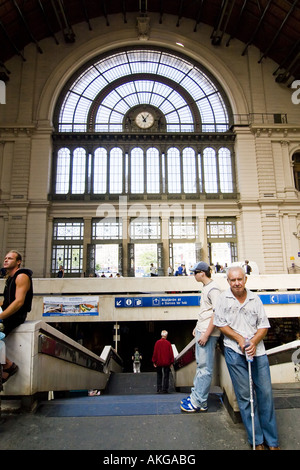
[162,359]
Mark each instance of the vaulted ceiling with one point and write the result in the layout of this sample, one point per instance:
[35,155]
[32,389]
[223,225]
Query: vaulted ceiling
[273,26]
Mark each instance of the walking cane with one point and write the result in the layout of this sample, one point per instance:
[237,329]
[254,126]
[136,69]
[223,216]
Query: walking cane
[250,360]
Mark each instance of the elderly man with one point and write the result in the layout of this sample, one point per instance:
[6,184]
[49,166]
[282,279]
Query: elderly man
[240,315]
[162,359]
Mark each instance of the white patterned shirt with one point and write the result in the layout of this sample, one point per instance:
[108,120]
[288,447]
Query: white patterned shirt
[244,318]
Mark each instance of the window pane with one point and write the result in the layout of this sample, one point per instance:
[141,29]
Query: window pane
[63,171]
[68,256]
[137,170]
[100,171]
[67,247]
[173,168]
[225,170]
[143,228]
[189,170]
[200,173]
[116,171]
[71,230]
[182,229]
[153,173]
[221,229]
[107,229]
[78,171]
[210,170]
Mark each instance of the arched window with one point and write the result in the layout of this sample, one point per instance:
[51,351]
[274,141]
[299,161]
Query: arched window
[101,95]
[78,171]
[164,126]
[116,171]
[210,170]
[225,170]
[63,171]
[100,171]
[189,170]
[153,171]
[137,170]
[174,170]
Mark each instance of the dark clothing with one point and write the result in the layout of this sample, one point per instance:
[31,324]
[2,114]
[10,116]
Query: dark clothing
[248,269]
[162,376]
[9,296]
[163,353]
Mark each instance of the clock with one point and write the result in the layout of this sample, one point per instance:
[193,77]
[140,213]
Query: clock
[144,120]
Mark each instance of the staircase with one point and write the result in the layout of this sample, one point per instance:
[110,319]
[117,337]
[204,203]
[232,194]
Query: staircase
[134,384]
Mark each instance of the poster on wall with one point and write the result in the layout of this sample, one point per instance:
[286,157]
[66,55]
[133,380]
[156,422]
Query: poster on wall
[70,306]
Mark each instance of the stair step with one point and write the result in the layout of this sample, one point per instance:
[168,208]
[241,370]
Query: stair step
[133,384]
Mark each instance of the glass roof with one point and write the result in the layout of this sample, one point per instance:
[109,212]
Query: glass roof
[115,84]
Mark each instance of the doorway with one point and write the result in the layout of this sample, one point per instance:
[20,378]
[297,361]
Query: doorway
[183,253]
[107,260]
[144,255]
[143,335]
[222,254]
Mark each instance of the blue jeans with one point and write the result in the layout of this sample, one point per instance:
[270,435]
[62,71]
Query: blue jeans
[204,372]
[264,411]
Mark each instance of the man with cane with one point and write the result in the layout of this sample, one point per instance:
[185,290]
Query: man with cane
[241,317]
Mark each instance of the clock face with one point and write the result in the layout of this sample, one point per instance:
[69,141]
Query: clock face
[144,120]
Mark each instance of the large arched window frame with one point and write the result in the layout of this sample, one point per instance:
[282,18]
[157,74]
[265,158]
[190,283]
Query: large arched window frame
[100,152]
[98,98]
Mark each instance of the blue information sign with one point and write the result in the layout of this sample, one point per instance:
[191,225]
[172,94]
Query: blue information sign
[270,299]
[158,301]
[194,300]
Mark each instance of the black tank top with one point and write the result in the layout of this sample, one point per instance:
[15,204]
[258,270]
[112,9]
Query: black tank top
[9,295]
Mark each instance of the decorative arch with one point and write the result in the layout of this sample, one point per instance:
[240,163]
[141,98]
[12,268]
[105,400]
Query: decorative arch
[121,104]
[183,91]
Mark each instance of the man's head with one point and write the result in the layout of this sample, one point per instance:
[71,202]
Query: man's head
[201,268]
[237,279]
[164,334]
[12,261]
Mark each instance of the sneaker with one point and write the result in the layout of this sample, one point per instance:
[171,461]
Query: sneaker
[187,399]
[188,407]
[203,408]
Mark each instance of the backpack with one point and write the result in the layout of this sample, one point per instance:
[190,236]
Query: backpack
[136,357]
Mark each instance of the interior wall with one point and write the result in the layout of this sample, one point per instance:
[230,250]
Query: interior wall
[263,149]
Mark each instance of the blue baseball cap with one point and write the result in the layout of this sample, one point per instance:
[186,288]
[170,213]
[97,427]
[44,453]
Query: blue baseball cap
[201,266]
